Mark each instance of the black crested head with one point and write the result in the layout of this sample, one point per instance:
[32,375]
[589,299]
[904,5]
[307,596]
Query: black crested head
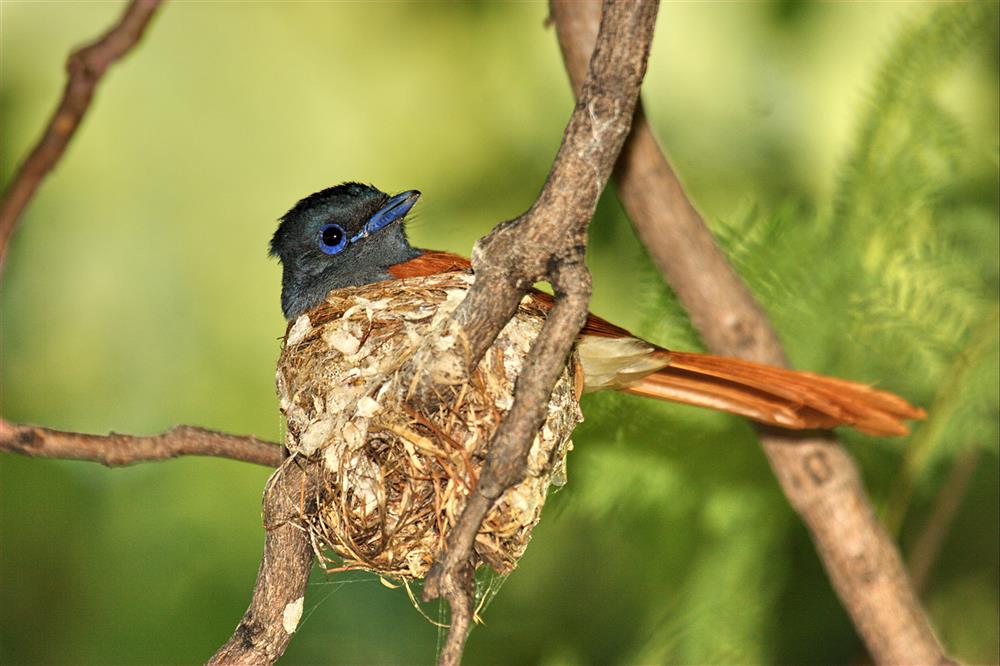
[343,236]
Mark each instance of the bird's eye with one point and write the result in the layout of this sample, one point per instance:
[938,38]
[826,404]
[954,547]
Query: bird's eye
[332,239]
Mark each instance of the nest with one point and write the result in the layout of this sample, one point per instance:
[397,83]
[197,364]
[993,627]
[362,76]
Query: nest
[396,479]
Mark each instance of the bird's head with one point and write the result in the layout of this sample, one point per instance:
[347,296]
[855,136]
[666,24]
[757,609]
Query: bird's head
[342,236]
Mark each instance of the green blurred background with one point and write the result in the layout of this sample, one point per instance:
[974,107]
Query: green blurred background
[846,154]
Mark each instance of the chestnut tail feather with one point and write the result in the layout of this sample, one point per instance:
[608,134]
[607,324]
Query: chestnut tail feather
[775,396]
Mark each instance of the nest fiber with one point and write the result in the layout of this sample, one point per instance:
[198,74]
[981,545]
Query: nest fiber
[397,478]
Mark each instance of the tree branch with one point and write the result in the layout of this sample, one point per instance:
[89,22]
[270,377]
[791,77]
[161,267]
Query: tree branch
[279,593]
[116,450]
[819,478]
[545,243]
[85,67]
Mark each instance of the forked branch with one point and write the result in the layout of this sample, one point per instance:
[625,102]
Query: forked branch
[545,243]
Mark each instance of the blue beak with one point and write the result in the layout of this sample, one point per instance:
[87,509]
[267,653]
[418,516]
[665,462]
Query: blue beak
[394,209]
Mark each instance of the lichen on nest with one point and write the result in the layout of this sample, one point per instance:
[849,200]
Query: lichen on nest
[397,478]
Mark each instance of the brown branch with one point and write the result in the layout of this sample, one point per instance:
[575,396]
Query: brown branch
[545,243]
[116,450]
[85,67]
[278,595]
[452,574]
[819,478]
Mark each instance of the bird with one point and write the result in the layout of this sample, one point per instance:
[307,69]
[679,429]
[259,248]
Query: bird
[354,234]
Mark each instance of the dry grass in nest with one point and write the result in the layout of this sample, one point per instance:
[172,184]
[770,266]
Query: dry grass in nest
[397,479]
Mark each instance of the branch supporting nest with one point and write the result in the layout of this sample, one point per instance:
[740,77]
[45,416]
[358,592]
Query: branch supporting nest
[817,475]
[279,593]
[85,67]
[546,243]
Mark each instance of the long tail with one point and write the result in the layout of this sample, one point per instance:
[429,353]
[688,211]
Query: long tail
[776,396]
[613,358]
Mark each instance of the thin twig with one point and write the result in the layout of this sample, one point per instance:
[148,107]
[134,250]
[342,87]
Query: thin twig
[457,589]
[279,593]
[932,535]
[116,450]
[85,67]
[819,478]
[545,243]
[947,399]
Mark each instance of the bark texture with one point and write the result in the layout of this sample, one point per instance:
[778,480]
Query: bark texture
[545,243]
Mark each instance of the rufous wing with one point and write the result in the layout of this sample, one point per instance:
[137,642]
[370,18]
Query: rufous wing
[430,262]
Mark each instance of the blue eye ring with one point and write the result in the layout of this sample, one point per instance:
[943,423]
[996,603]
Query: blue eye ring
[332,238]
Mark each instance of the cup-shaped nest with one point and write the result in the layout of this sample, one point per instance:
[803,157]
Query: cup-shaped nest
[397,476]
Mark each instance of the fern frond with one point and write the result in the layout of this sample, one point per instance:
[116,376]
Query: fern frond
[904,128]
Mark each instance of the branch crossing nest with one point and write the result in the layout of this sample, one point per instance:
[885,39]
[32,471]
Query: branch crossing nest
[396,478]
